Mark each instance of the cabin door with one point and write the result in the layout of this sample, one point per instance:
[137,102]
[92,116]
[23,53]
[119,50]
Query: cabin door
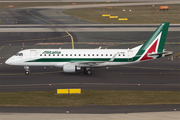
[130,55]
[33,54]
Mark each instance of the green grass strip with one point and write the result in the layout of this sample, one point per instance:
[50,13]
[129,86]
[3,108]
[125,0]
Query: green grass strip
[99,97]
[136,14]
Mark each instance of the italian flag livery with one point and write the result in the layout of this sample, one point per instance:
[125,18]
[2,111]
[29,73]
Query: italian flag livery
[71,60]
[155,44]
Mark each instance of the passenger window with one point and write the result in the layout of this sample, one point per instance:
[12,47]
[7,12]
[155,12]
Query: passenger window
[92,54]
[70,54]
[66,54]
[101,54]
[106,54]
[40,54]
[49,54]
[119,54]
[57,54]
[44,54]
[110,54]
[79,54]
[61,54]
[53,54]
[88,54]
[74,54]
[97,54]
[84,54]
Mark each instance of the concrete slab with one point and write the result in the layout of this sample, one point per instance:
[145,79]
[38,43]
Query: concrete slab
[174,115]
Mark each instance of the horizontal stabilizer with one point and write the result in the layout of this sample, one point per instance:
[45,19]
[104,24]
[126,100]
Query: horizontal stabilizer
[166,53]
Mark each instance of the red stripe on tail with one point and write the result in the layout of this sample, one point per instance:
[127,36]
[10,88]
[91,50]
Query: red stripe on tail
[151,49]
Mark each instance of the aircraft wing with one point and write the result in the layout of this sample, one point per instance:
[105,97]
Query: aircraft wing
[88,63]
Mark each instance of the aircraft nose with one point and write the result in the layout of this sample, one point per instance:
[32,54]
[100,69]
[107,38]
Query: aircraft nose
[8,61]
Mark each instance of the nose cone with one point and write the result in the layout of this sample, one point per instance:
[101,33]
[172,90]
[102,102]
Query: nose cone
[8,61]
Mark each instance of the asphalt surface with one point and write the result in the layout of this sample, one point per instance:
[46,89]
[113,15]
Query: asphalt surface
[158,75]
[36,16]
[92,109]
[32,38]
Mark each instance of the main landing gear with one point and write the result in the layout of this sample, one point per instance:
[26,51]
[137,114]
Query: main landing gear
[27,71]
[87,71]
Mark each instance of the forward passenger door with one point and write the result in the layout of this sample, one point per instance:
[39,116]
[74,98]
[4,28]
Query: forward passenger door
[32,54]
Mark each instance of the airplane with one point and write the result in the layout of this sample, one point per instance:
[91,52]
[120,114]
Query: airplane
[72,60]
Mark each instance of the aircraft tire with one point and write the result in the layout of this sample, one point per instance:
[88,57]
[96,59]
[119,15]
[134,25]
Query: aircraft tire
[27,72]
[88,72]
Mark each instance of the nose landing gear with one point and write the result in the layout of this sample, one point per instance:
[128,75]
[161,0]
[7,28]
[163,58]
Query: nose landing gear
[27,71]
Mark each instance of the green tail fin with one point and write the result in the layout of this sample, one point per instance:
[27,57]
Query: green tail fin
[155,43]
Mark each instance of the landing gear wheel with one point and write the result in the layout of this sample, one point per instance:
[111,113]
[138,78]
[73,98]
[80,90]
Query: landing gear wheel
[88,72]
[27,72]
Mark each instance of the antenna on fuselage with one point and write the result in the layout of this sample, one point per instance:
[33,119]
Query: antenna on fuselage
[99,47]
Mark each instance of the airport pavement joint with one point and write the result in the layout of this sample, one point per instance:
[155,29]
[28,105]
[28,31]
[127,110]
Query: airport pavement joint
[53,24]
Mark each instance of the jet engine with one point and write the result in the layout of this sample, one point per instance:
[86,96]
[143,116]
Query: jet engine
[69,68]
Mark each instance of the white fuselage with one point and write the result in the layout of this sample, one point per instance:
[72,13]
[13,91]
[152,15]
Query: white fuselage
[60,57]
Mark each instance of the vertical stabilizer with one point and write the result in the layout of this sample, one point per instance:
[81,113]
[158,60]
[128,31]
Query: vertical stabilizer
[155,43]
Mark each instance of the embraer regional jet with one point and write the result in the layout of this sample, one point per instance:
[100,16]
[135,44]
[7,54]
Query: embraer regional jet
[72,60]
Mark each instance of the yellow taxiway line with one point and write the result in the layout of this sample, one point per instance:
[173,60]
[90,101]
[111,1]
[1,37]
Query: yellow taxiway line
[71,39]
[52,24]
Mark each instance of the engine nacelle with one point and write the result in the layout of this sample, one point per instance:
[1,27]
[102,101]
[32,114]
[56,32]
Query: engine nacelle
[70,68]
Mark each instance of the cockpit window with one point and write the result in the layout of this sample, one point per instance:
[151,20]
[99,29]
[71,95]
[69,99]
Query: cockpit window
[16,54]
[19,54]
